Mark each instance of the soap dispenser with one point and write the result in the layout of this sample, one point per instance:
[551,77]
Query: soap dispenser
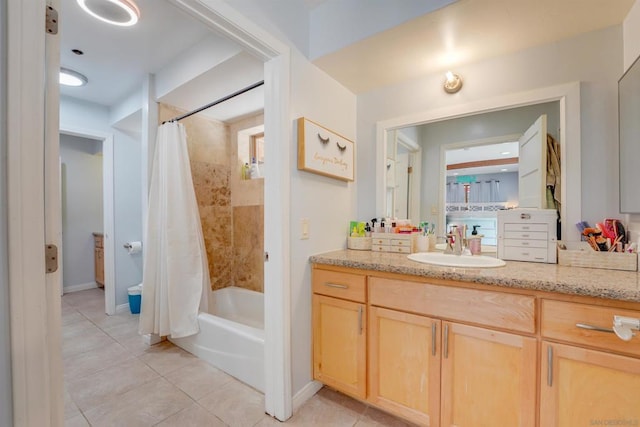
[475,241]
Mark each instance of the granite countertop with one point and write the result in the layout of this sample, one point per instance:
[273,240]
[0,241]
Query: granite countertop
[611,284]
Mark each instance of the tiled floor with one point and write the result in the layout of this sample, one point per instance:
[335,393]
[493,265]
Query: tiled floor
[113,379]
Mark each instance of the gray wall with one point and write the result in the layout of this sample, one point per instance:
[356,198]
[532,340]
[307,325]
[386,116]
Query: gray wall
[6,403]
[82,211]
[479,126]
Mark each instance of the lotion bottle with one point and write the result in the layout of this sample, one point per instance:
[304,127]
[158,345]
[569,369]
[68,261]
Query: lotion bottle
[254,172]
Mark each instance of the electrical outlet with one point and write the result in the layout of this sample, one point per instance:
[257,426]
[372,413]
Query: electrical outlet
[304,229]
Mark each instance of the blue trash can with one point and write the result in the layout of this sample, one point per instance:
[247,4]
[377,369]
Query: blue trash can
[135,298]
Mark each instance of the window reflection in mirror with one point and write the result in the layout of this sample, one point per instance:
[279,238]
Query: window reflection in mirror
[481,179]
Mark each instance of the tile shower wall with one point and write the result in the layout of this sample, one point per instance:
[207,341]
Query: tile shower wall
[233,234]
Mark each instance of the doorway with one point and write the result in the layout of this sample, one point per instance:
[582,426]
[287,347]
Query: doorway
[107,227]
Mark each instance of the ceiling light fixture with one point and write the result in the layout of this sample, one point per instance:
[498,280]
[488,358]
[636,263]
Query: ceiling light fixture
[72,78]
[453,82]
[116,12]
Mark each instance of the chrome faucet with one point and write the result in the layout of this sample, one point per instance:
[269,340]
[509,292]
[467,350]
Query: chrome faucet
[454,241]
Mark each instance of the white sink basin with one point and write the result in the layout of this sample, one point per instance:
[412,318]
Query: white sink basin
[448,260]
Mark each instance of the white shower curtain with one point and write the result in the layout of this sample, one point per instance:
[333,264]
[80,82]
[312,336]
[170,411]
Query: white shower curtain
[176,275]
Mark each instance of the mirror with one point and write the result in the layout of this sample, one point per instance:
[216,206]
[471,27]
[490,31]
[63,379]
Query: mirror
[470,125]
[629,108]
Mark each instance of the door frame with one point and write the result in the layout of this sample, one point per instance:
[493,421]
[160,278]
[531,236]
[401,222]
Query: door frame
[34,304]
[225,20]
[442,194]
[108,218]
[35,321]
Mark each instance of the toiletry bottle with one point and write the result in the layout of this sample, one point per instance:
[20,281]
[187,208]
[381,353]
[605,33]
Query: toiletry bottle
[254,171]
[246,171]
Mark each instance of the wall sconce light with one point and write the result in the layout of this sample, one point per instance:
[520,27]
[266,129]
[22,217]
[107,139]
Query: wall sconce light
[453,83]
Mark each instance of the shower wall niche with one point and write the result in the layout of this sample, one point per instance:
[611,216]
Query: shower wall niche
[231,209]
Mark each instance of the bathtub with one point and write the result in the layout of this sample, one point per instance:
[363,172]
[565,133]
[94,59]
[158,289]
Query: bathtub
[231,337]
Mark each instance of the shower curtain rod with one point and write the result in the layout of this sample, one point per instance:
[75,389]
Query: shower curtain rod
[219,101]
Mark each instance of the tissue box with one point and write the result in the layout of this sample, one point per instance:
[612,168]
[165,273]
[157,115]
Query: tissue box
[580,254]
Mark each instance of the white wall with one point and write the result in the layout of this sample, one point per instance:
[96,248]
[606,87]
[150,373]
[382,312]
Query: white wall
[631,35]
[82,211]
[75,114]
[328,203]
[595,59]
[6,402]
[334,25]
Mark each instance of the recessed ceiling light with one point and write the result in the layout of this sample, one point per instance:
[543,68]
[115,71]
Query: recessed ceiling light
[116,12]
[72,78]
[506,153]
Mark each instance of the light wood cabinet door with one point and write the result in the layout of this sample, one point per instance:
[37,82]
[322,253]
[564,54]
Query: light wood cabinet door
[99,265]
[339,344]
[404,364]
[581,387]
[488,377]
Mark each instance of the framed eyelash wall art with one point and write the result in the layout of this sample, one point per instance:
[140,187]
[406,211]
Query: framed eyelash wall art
[324,152]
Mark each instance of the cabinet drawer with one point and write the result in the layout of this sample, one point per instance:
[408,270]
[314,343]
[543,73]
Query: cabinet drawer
[526,254]
[523,243]
[525,227]
[340,285]
[529,235]
[401,242]
[380,248]
[495,309]
[560,320]
[400,249]
[379,241]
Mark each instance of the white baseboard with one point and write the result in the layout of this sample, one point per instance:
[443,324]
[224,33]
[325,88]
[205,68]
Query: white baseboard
[305,394]
[122,308]
[80,287]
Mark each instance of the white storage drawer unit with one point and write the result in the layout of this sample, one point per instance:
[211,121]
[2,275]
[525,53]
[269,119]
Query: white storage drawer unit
[393,242]
[527,235]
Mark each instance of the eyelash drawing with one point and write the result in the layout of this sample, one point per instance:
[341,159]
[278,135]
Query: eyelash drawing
[341,147]
[324,141]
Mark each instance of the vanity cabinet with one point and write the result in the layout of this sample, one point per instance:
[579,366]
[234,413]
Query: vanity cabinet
[404,364]
[438,372]
[488,377]
[588,376]
[98,258]
[583,387]
[340,331]
[446,353]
